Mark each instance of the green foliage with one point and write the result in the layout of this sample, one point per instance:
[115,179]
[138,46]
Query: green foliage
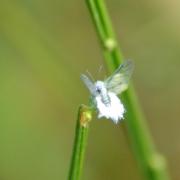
[152,164]
[82,126]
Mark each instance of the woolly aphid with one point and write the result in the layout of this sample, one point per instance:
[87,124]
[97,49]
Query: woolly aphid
[104,93]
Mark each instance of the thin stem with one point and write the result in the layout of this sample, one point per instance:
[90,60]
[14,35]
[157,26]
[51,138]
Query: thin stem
[152,164]
[82,126]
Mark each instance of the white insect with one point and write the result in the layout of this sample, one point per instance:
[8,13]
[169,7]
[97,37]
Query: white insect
[104,93]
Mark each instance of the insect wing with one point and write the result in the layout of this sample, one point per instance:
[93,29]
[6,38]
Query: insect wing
[118,81]
[89,84]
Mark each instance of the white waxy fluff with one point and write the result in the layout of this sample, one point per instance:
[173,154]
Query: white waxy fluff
[114,111]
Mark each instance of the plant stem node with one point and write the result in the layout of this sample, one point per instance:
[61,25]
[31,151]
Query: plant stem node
[110,44]
[85,116]
[157,162]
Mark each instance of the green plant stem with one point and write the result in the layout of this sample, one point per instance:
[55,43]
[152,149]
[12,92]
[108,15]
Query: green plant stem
[82,126]
[152,163]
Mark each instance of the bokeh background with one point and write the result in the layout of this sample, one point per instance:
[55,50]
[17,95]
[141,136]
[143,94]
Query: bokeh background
[44,47]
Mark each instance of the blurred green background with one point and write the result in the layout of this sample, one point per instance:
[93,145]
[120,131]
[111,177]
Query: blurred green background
[44,47]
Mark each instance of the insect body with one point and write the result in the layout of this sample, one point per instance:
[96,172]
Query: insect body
[104,93]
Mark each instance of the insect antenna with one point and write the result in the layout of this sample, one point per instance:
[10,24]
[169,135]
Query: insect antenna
[99,71]
[90,75]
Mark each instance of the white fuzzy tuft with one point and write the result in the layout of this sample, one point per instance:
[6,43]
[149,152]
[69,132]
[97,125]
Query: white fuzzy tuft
[114,111]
